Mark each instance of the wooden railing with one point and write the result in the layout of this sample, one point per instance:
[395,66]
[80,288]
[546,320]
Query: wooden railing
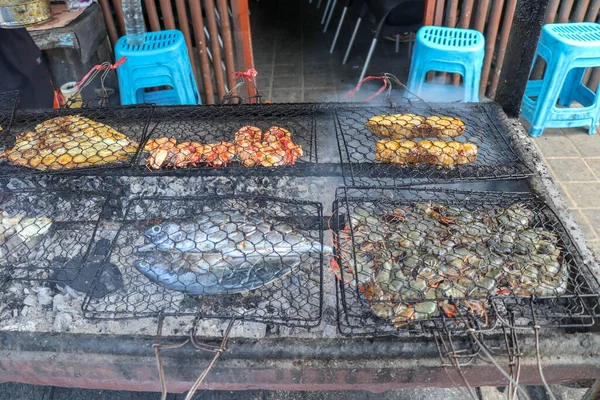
[217,34]
[494,19]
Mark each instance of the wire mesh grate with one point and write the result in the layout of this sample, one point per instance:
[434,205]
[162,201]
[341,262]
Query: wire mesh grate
[251,257]
[425,142]
[47,235]
[8,105]
[240,138]
[72,140]
[413,259]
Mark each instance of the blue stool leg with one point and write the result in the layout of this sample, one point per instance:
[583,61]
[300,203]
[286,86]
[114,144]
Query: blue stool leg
[471,77]
[574,78]
[548,95]
[418,71]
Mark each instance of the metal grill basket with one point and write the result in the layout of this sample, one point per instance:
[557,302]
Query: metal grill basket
[484,126]
[47,235]
[248,257]
[431,259]
[8,105]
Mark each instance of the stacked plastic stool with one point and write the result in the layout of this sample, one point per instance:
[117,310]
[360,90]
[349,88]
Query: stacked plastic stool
[568,50]
[452,50]
[162,60]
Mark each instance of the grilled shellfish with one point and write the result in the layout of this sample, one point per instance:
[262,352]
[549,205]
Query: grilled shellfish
[433,152]
[410,126]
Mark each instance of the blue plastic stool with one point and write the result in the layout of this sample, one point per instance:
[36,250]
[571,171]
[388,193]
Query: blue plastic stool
[568,50]
[161,61]
[451,50]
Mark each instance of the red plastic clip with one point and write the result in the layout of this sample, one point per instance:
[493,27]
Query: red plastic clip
[351,93]
[250,74]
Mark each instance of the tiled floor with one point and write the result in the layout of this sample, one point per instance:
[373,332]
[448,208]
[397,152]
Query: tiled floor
[573,158]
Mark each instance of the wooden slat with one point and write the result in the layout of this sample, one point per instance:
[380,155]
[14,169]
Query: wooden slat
[480,15]
[227,41]
[592,12]
[243,37]
[580,10]
[211,21]
[509,15]
[429,15]
[465,14]
[109,22]
[167,14]
[185,29]
[152,15]
[490,43]
[565,11]
[451,13]
[120,17]
[439,12]
[198,24]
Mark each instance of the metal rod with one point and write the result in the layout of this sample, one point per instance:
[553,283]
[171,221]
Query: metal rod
[439,12]
[215,47]
[167,14]
[319,4]
[429,13]
[580,9]
[368,60]
[198,25]
[451,22]
[227,41]
[524,35]
[330,15]
[351,41]
[463,22]
[565,11]
[120,16]
[152,15]
[539,67]
[325,12]
[339,28]
[502,48]
[110,22]
[243,39]
[185,29]
[490,43]
[480,15]
[592,12]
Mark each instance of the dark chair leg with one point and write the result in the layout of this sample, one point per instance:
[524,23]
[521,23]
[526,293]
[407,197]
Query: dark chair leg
[368,60]
[398,43]
[319,4]
[330,15]
[410,44]
[339,28]
[351,41]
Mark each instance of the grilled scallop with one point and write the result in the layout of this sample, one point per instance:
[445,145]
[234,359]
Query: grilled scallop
[410,126]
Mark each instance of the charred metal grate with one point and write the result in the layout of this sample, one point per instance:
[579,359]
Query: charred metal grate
[74,140]
[431,259]
[47,235]
[8,105]
[483,127]
[249,257]
[205,140]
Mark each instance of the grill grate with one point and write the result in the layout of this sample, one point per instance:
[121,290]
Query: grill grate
[47,235]
[211,131]
[8,105]
[465,280]
[68,139]
[253,257]
[484,128]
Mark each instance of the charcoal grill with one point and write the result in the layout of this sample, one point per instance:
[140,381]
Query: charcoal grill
[485,124]
[47,235]
[576,307]
[293,299]
[8,106]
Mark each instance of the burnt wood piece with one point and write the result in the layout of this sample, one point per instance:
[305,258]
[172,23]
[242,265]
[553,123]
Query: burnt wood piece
[526,29]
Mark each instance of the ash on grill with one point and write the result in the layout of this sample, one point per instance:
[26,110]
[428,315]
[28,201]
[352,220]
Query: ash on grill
[45,235]
[464,141]
[409,255]
[251,257]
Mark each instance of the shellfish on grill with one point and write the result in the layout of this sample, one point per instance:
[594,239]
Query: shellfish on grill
[410,126]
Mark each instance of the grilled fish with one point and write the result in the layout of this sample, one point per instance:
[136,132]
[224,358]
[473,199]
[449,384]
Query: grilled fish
[213,273]
[410,126]
[70,142]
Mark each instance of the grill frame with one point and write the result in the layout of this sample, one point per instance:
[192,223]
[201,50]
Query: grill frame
[356,320]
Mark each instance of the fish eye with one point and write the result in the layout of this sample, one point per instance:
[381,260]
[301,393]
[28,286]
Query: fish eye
[156,229]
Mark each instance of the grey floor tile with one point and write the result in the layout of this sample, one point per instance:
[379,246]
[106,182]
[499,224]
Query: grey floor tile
[286,82]
[566,198]
[288,58]
[584,224]
[287,70]
[594,217]
[595,247]
[584,194]
[571,169]
[588,145]
[286,96]
[556,146]
[594,164]
[319,80]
